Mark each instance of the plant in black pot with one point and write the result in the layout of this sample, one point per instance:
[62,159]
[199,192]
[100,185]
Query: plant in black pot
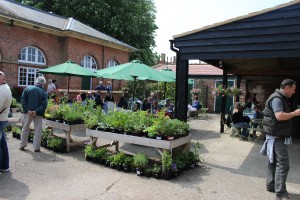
[156,171]
[88,152]
[151,131]
[140,161]
[148,172]
[166,161]
[16,132]
[57,144]
[127,163]
[109,160]
[45,135]
[119,160]
[100,154]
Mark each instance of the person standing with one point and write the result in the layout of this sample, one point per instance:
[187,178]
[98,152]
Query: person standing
[5,101]
[51,87]
[277,124]
[109,86]
[100,86]
[34,102]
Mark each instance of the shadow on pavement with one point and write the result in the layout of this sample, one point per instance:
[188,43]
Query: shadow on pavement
[19,191]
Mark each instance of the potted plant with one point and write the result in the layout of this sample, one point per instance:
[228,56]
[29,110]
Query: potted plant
[100,155]
[16,132]
[88,151]
[127,163]
[119,160]
[57,144]
[15,106]
[151,131]
[45,134]
[108,161]
[166,161]
[140,161]
[156,171]
[148,172]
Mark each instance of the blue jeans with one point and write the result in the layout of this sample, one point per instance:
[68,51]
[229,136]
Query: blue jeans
[244,126]
[4,158]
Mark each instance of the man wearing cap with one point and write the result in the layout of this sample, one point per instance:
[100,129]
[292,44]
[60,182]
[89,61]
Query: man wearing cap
[5,101]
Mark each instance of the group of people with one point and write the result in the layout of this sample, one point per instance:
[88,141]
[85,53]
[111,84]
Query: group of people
[277,124]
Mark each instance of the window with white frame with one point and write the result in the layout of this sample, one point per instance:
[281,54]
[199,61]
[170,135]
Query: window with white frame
[89,62]
[32,55]
[112,63]
[27,76]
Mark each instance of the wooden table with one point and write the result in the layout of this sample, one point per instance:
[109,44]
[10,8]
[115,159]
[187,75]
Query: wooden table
[68,129]
[160,144]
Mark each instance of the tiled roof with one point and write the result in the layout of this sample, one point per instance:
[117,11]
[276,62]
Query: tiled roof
[195,69]
[32,15]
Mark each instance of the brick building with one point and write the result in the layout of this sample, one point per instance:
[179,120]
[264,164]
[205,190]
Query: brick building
[31,39]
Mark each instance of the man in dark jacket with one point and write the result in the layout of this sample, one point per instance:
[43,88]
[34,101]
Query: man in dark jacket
[277,124]
[34,102]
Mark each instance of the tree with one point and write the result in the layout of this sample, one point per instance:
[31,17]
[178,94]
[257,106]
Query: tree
[132,22]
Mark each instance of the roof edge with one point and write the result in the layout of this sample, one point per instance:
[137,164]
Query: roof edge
[237,19]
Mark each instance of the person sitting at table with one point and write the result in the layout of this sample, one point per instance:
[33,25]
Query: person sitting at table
[240,121]
[146,105]
[154,107]
[109,96]
[123,103]
[195,106]
[136,106]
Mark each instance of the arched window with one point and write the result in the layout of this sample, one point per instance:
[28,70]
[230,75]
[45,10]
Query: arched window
[112,63]
[32,55]
[89,62]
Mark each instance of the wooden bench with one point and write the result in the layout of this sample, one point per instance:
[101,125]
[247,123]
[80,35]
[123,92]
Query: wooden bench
[160,144]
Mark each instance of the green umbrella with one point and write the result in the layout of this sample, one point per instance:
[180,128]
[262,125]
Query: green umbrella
[133,70]
[172,74]
[68,68]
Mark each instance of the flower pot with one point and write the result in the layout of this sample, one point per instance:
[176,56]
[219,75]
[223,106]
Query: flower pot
[94,159]
[147,173]
[107,163]
[139,171]
[112,165]
[101,161]
[127,133]
[119,167]
[159,137]
[167,175]
[126,168]
[88,158]
[169,138]
[156,175]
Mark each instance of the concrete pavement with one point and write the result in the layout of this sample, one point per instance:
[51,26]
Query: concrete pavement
[233,169]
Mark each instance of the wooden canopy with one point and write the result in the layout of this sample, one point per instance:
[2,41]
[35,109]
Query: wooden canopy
[265,43]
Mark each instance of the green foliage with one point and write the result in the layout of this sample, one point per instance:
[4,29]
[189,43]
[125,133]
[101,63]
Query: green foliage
[116,119]
[55,142]
[15,103]
[128,160]
[156,169]
[16,129]
[88,150]
[166,161]
[132,22]
[119,158]
[100,153]
[92,117]
[140,160]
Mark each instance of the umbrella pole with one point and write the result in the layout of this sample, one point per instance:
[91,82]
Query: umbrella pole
[165,88]
[133,89]
[69,83]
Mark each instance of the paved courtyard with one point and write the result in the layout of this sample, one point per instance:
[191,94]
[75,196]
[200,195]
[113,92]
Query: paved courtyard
[233,169]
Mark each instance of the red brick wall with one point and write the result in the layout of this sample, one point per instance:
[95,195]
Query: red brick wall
[56,50]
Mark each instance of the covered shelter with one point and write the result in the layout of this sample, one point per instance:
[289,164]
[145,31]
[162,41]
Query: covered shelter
[263,45]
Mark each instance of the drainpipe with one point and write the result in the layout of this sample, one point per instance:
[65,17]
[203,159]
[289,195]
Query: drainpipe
[172,47]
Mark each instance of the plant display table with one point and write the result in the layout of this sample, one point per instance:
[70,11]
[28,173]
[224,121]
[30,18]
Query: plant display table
[68,129]
[160,144]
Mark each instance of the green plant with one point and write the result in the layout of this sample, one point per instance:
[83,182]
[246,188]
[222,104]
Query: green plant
[16,129]
[140,160]
[152,131]
[197,148]
[166,161]
[15,104]
[88,150]
[119,158]
[56,143]
[128,161]
[100,153]
[156,169]
[222,90]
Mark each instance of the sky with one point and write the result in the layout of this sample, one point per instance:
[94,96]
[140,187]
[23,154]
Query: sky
[178,16]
